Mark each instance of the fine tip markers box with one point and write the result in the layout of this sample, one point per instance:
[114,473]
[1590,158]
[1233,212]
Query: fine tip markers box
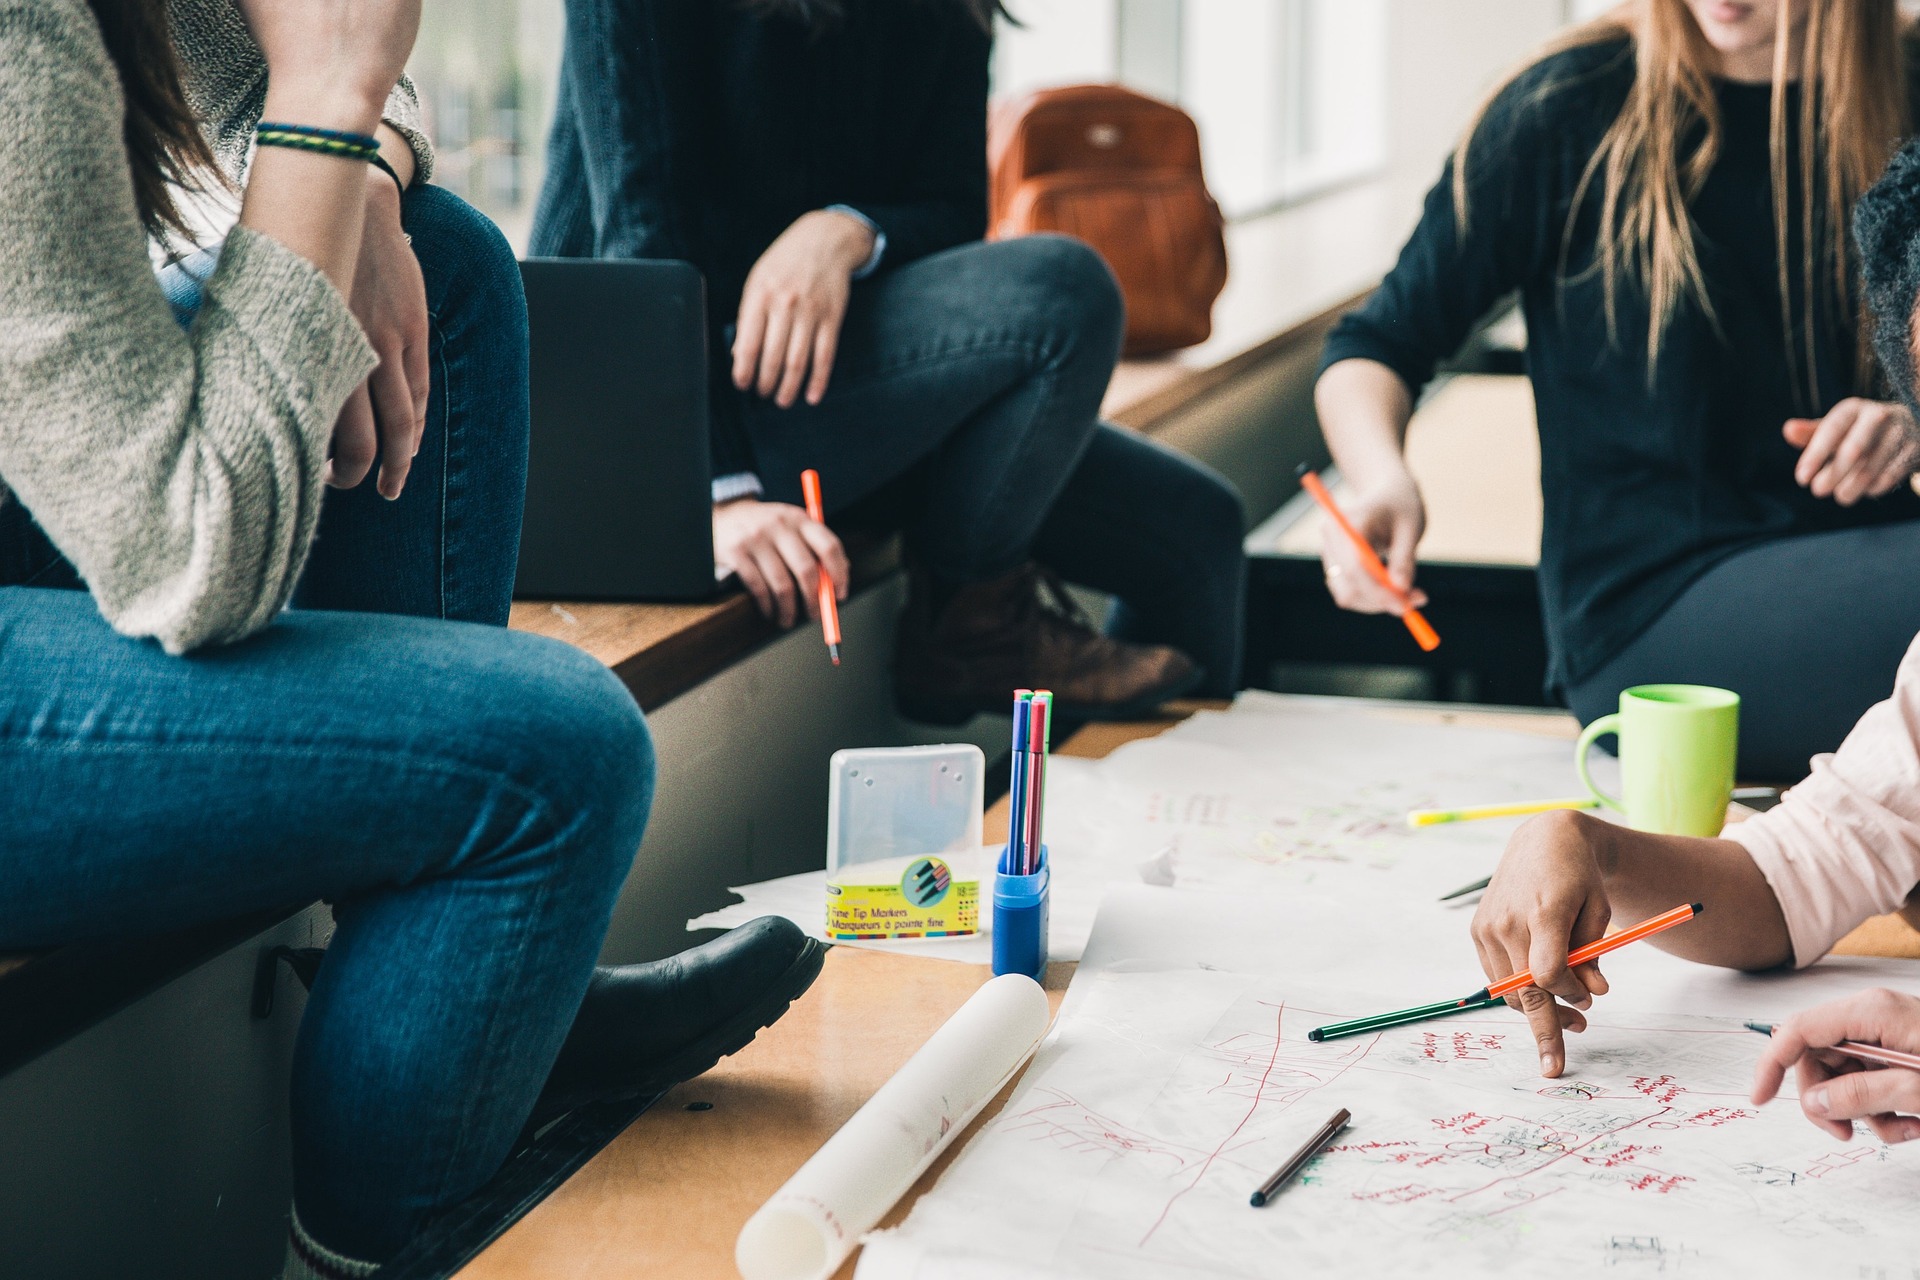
[903,843]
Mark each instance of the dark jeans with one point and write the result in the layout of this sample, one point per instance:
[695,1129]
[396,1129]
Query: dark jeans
[966,399]
[1808,631]
[469,799]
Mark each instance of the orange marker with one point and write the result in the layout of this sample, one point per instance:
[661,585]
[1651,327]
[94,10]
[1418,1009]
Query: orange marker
[829,607]
[1423,633]
[1490,994]
[1594,950]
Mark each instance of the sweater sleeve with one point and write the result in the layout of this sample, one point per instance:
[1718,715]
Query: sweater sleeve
[1844,845]
[225,79]
[628,76]
[945,200]
[1449,277]
[179,471]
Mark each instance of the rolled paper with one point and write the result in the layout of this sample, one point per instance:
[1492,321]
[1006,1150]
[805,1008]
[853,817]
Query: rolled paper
[813,1222]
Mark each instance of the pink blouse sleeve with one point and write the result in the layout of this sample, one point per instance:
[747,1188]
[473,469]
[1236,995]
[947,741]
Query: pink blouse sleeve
[1844,845]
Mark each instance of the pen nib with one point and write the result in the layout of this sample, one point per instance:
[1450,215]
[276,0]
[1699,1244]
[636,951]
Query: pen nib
[833,651]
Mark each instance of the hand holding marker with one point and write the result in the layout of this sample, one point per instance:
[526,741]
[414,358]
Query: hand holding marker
[1423,633]
[829,608]
[1491,994]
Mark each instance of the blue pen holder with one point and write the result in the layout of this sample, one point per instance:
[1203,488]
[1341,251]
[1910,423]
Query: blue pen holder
[1020,920]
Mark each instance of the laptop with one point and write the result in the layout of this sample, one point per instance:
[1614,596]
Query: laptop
[619,479]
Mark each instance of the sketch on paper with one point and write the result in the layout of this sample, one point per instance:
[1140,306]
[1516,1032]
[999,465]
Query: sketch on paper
[1164,1097]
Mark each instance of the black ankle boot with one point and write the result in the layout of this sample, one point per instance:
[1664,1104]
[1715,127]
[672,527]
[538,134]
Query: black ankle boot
[646,1027]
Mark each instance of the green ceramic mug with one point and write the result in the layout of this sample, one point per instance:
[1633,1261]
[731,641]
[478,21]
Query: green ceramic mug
[1677,748]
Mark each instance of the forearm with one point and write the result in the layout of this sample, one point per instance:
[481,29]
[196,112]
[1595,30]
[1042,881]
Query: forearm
[1364,409]
[313,204]
[1742,927]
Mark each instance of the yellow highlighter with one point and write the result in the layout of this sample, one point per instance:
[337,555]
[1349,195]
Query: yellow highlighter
[1519,808]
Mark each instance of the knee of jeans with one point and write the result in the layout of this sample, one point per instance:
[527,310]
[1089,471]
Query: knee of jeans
[466,258]
[1081,290]
[588,755]
[1208,505]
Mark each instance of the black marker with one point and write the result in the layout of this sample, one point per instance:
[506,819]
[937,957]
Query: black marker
[1328,1132]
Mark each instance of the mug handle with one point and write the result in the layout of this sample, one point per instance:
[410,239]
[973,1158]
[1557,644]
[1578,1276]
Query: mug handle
[1607,724]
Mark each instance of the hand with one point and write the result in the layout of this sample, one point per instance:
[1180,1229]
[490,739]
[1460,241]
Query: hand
[333,50]
[1391,516]
[387,414]
[795,299]
[1861,449]
[778,552]
[1547,898]
[1836,1090]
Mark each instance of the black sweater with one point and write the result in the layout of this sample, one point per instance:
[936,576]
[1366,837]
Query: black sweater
[701,131]
[1645,487]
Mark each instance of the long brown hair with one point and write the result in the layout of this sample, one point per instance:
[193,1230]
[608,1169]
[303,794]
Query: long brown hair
[1658,152]
[165,148]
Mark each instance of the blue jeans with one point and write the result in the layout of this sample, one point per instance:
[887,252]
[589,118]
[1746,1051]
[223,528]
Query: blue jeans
[469,799]
[965,406]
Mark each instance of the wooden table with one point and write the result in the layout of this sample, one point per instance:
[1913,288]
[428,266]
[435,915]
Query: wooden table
[667,1199]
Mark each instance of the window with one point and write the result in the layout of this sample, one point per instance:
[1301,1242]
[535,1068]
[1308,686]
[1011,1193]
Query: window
[1290,95]
[485,70]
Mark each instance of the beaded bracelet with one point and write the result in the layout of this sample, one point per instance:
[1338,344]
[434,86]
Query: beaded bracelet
[332,142]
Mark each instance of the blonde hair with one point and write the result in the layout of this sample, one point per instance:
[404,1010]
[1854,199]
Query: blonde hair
[1657,154]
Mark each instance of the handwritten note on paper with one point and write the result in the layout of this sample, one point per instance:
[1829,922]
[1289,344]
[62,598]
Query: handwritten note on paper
[1165,1097]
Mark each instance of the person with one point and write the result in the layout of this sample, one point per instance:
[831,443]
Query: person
[824,163]
[176,749]
[1780,888]
[1725,485]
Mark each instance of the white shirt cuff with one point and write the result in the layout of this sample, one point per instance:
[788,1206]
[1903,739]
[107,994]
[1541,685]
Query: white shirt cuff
[741,484]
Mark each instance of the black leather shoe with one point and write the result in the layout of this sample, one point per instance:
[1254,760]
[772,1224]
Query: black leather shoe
[646,1027]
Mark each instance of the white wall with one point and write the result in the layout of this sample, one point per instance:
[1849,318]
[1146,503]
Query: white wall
[1057,42]
[1445,57]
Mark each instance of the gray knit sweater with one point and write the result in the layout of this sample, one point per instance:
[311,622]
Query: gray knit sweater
[226,82]
[179,471]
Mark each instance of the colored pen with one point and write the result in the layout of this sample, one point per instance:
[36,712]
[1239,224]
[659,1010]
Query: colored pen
[1856,1049]
[1423,633]
[829,607]
[1465,889]
[1039,724]
[1519,808]
[1493,991]
[1311,1148]
[1018,784]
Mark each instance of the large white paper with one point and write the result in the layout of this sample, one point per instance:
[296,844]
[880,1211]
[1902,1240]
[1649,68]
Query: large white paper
[1278,795]
[1412,954]
[813,1222]
[1164,1097]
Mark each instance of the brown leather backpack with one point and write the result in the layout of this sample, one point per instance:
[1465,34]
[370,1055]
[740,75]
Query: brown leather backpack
[1120,171]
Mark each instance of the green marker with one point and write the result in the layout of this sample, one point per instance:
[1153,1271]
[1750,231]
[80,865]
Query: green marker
[1379,1021]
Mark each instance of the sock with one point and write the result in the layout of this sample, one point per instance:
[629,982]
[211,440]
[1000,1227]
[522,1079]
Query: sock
[308,1259]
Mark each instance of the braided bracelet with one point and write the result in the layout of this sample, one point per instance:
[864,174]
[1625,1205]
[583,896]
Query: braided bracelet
[331,142]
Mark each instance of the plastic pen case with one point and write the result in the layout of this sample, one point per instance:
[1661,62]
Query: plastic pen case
[1020,908]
